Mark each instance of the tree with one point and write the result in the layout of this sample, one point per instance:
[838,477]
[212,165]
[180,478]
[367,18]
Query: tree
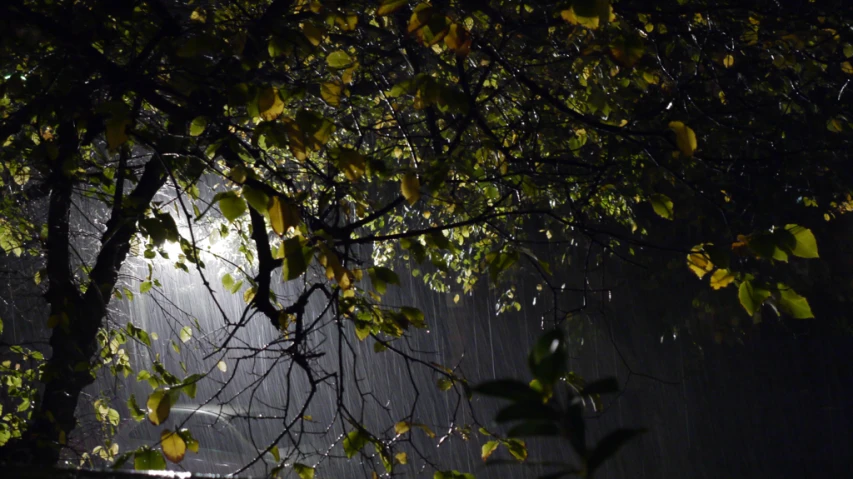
[333,139]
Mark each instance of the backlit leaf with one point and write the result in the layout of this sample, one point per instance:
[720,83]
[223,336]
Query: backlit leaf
[488,448]
[685,138]
[794,304]
[270,105]
[387,7]
[173,446]
[410,186]
[232,205]
[752,297]
[699,261]
[148,459]
[355,442]
[159,404]
[662,206]
[339,59]
[303,471]
[721,278]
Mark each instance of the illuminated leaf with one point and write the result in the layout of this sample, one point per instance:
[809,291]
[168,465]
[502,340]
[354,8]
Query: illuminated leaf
[159,404]
[721,278]
[148,459]
[662,206]
[198,125]
[303,471]
[355,442]
[173,446]
[794,304]
[339,59]
[805,243]
[186,334]
[488,448]
[699,261]
[410,186]
[685,138]
[847,68]
[387,7]
[283,215]
[312,33]
[728,61]
[297,258]
[270,105]
[517,448]
[751,297]
[458,39]
[402,427]
[402,457]
[256,198]
[231,205]
[331,92]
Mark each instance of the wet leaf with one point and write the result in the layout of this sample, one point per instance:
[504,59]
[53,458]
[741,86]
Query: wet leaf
[793,304]
[685,138]
[231,205]
[303,471]
[148,459]
[752,297]
[662,206]
[387,7]
[186,334]
[159,404]
[721,278]
[410,186]
[173,446]
[355,442]
[488,448]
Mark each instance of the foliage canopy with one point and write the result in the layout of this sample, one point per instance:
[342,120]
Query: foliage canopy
[335,139]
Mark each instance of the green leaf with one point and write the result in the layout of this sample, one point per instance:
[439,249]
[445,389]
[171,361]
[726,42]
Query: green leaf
[145,287]
[198,125]
[380,277]
[297,258]
[751,298]
[185,334]
[303,471]
[806,244]
[488,448]
[231,205]
[793,304]
[444,384]
[339,59]
[159,404]
[148,459]
[257,199]
[662,206]
[354,442]
[517,448]
[136,412]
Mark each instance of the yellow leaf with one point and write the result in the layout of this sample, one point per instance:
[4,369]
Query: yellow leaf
[330,92]
[270,105]
[847,68]
[159,405]
[401,457]
[387,7]
[283,215]
[685,137]
[410,186]
[173,446]
[721,278]
[728,61]
[699,262]
[402,427]
[488,448]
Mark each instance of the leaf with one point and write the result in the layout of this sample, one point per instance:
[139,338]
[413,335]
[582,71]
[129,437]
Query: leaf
[222,366]
[387,7]
[728,61]
[354,442]
[297,258]
[312,33]
[751,298]
[609,445]
[351,163]
[793,304]
[270,105]
[198,125]
[283,215]
[256,198]
[380,277]
[148,459]
[145,287]
[685,138]
[508,389]
[331,93]
[517,448]
[231,205]
[847,68]
[410,186]
[721,278]
[402,457]
[185,334]
[806,244]
[339,59]
[303,471]
[588,13]
[699,261]
[662,206]
[444,384]
[173,446]
[402,427]
[188,438]
[159,404]
[458,39]
[488,448]
[136,412]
